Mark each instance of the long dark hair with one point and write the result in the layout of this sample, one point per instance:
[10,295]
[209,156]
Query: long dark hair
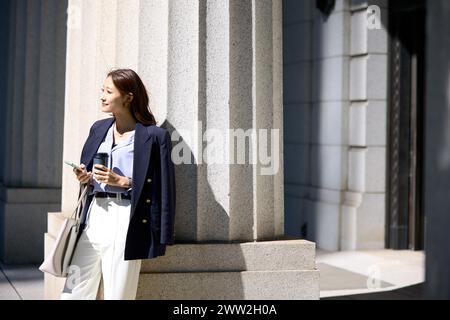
[126,80]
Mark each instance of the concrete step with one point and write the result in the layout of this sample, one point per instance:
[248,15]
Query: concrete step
[53,286]
[248,256]
[54,222]
[253,270]
[246,285]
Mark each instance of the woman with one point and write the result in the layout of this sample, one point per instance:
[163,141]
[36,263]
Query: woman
[129,213]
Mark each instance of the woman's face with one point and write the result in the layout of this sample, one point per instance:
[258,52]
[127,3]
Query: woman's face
[111,98]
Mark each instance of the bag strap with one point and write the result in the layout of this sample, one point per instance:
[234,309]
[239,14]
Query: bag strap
[76,212]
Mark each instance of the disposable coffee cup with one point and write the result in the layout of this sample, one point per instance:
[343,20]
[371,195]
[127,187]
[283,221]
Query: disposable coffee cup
[101,158]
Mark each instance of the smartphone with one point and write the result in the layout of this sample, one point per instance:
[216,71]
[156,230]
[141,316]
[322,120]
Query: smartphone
[72,165]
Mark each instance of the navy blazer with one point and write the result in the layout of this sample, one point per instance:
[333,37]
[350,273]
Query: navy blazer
[151,225]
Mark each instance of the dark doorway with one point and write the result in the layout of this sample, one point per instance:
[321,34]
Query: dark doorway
[405,218]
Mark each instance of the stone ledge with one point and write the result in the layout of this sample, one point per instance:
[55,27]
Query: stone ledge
[248,256]
[249,285]
[54,223]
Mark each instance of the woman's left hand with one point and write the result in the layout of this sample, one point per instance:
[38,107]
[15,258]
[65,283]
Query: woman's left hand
[105,175]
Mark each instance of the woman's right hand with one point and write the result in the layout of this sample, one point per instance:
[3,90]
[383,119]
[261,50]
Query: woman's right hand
[82,175]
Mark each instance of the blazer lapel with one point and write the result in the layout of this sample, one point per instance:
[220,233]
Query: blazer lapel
[94,142]
[142,154]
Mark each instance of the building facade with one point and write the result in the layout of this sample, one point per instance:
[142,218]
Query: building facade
[353,103]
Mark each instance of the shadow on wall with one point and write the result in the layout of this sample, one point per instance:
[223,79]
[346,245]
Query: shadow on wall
[302,77]
[189,203]
[189,198]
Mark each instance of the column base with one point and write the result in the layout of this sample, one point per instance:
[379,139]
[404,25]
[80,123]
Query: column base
[252,270]
[363,222]
[239,285]
[23,221]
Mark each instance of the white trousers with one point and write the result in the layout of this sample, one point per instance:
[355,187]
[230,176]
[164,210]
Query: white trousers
[100,252]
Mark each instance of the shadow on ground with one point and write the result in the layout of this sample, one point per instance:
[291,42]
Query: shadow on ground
[414,292]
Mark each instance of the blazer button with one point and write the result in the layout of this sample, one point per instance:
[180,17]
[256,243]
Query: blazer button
[148,201]
[144,220]
[149,180]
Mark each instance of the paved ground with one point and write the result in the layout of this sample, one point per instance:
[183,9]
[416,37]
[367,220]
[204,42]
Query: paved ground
[362,275]
[383,274]
[407,293]
[21,282]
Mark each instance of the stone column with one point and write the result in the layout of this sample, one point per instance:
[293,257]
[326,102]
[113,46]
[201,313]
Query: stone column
[221,76]
[363,209]
[32,128]
[209,65]
[91,52]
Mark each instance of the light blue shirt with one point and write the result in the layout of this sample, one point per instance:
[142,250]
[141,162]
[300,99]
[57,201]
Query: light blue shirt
[120,160]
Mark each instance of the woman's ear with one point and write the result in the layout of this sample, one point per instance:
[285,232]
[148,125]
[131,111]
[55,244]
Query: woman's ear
[128,98]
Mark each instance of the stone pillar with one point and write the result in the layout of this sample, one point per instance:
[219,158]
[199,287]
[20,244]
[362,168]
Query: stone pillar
[221,74]
[89,56]
[363,210]
[32,129]
[328,131]
[209,65]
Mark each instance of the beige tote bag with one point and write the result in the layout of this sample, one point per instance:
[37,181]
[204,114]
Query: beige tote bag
[58,260]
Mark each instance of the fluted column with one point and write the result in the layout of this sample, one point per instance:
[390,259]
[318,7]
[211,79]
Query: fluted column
[221,77]
[91,52]
[210,66]
[206,71]
[33,107]
[104,35]
[34,95]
